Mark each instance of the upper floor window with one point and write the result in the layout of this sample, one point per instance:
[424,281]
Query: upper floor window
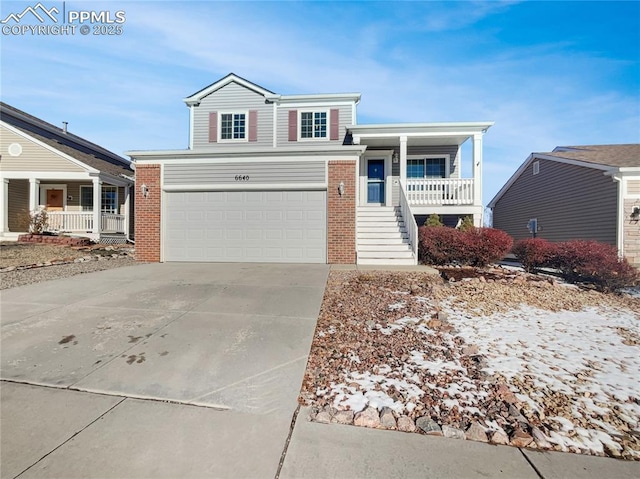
[313,124]
[536,167]
[233,126]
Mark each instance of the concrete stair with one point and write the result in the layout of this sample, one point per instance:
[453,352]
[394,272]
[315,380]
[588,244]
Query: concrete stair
[382,237]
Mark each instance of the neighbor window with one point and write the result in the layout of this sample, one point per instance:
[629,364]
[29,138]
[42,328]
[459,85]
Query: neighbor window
[109,199]
[313,124]
[536,167]
[233,126]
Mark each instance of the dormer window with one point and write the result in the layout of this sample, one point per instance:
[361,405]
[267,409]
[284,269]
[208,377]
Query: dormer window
[313,124]
[233,126]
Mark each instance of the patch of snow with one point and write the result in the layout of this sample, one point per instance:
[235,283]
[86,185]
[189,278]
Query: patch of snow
[397,306]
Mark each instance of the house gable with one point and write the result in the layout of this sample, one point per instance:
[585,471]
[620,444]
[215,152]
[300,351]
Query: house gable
[232,97]
[569,201]
[33,155]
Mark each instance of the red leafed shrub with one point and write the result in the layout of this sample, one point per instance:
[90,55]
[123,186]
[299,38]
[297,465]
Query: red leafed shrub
[485,245]
[595,263]
[439,245]
[476,246]
[534,253]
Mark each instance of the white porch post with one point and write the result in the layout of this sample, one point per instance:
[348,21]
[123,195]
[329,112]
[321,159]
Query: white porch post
[34,194]
[403,161]
[97,206]
[126,206]
[477,175]
[4,210]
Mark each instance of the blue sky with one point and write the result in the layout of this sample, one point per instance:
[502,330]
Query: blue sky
[547,73]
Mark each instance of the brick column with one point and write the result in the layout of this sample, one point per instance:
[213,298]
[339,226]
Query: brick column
[147,213]
[341,213]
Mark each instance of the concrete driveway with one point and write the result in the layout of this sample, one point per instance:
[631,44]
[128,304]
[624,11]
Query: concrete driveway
[158,370]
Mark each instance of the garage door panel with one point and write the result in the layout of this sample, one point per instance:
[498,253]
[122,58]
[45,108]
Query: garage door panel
[253,226]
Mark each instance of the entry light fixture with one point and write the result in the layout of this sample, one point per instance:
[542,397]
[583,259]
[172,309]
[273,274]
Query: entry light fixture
[395,157]
[144,189]
[341,188]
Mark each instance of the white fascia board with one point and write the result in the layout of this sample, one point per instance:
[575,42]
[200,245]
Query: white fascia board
[233,154]
[115,180]
[249,159]
[346,98]
[408,128]
[48,147]
[426,134]
[197,97]
[46,175]
[568,161]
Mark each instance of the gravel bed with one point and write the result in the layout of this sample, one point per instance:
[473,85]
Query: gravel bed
[28,263]
[504,357]
[13,279]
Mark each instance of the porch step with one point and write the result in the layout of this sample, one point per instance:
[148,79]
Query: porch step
[382,237]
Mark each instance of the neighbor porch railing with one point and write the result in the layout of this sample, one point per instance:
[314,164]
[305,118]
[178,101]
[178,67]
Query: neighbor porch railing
[82,222]
[410,223]
[441,191]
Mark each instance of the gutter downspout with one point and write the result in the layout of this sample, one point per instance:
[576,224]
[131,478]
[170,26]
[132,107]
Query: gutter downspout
[620,222]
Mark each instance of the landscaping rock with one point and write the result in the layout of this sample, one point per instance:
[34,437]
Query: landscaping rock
[387,419]
[367,418]
[499,437]
[343,417]
[476,432]
[323,417]
[406,424]
[429,426]
[520,438]
[453,432]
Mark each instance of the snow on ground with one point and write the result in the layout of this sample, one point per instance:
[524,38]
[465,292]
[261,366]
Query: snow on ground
[591,356]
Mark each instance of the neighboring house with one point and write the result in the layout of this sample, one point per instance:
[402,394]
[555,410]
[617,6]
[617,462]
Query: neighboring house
[294,178]
[575,192]
[84,188]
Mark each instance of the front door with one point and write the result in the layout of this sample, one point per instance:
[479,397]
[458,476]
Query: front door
[375,181]
[55,200]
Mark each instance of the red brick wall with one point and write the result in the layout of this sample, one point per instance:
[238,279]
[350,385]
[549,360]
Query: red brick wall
[341,213]
[147,214]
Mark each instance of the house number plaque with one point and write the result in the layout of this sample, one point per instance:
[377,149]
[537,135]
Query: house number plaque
[242,177]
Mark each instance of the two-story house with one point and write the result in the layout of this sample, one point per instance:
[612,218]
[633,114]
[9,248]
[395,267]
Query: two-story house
[294,178]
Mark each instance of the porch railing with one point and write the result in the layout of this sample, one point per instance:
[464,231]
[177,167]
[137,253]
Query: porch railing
[442,191]
[82,222]
[410,223]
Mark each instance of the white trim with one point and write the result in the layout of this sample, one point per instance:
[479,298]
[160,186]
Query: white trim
[4,206]
[230,160]
[245,139]
[315,99]
[45,175]
[231,78]
[24,135]
[163,214]
[307,150]
[245,187]
[362,182]
[327,113]
[191,120]
[620,211]
[275,125]
[42,196]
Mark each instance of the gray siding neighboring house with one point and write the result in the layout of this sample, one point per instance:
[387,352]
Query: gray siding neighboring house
[582,192]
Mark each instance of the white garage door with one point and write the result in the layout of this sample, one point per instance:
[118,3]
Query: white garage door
[246,226]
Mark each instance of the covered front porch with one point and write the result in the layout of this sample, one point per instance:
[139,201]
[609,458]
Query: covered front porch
[94,206]
[422,162]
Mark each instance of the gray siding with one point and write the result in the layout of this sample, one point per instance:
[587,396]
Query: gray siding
[18,206]
[259,172]
[344,119]
[570,202]
[233,97]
